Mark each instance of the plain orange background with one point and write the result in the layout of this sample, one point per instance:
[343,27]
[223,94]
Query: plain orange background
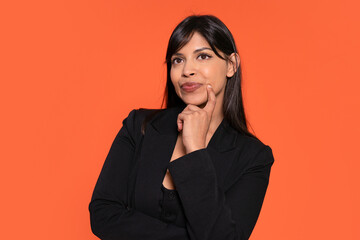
[72,70]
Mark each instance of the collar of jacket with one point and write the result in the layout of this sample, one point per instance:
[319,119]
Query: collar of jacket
[223,139]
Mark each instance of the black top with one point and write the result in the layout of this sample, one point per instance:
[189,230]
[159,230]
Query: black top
[171,210]
[219,189]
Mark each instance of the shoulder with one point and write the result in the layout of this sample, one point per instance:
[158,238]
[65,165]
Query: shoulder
[250,156]
[140,114]
[252,151]
[244,144]
[137,118]
[250,144]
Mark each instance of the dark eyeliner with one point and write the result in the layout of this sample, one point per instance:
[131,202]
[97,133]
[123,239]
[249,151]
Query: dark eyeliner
[205,54]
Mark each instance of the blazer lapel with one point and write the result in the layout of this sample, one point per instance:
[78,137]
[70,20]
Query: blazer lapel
[222,150]
[157,148]
[158,145]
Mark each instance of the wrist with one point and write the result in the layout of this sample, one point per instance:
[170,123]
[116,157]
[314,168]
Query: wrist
[194,148]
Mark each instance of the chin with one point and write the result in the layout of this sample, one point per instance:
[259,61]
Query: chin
[194,101]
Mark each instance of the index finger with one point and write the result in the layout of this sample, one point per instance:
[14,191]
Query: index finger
[210,105]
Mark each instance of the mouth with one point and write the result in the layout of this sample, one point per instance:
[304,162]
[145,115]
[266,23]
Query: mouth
[190,86]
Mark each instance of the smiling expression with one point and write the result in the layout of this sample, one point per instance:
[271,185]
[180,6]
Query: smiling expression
[193,67]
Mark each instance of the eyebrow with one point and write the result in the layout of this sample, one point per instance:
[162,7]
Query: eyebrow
[197,50]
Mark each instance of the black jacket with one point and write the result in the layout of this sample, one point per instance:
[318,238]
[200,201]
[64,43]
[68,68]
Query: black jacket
[221,187]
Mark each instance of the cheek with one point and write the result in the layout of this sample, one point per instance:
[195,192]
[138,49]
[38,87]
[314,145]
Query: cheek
[172,76]
[174,80]
[216,75]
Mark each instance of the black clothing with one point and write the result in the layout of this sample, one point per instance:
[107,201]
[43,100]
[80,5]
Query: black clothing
[219,189]
[171,210]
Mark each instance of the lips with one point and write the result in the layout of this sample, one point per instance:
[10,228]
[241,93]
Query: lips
[190,86]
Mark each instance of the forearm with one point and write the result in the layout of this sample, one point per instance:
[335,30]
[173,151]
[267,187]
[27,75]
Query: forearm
[114,221]
[211,213]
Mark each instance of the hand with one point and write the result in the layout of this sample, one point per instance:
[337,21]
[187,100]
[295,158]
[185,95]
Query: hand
[193,123]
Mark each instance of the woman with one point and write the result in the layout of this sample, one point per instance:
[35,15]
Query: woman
[191,170]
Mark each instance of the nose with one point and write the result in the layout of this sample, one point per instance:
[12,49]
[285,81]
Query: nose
[189,69]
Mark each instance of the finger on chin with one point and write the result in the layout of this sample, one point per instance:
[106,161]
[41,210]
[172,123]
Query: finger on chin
[193,107]
[210,105]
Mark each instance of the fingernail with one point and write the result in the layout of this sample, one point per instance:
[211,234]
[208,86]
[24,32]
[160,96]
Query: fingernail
[209,86]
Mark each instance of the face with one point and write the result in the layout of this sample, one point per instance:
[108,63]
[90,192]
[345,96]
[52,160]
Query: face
[193,67]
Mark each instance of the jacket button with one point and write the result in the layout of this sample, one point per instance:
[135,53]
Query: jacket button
[171,195]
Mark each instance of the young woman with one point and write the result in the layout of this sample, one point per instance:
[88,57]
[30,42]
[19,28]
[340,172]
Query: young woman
[191,170]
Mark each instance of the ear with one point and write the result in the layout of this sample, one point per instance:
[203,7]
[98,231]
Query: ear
[233,64]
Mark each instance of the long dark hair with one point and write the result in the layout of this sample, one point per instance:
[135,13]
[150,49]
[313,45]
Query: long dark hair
[219,38]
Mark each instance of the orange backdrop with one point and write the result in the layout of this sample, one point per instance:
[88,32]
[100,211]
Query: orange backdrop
[72,70]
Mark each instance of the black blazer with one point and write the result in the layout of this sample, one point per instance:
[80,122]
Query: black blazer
[221,187]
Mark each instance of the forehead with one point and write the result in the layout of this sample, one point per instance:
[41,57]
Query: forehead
[197,41]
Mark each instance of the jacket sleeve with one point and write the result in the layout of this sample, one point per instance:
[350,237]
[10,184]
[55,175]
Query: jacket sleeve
[212,213]
[111,217]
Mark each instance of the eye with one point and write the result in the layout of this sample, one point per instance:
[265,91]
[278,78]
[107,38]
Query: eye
[204,56]
[176,61]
